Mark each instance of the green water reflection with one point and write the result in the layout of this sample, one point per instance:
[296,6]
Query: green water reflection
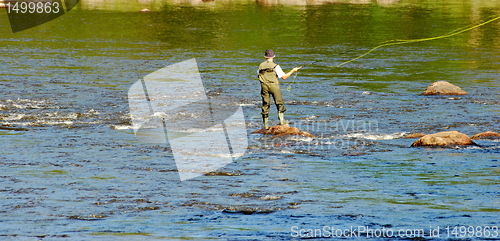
[236,24]
[301,32]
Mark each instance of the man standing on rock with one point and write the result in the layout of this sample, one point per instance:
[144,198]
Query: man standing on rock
[269,73]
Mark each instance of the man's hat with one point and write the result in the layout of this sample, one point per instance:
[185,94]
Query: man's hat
[269,53]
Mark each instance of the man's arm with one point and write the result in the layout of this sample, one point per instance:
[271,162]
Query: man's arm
[285,76]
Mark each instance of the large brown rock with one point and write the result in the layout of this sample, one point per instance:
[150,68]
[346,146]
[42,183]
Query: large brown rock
[447,138]
[486,135]
[443,88]
[282,130]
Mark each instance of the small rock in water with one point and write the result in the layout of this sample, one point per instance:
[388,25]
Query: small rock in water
[271,197]
[282,130]
[249,210]
[486,135]
[443,88]
[447,138]
[11,128]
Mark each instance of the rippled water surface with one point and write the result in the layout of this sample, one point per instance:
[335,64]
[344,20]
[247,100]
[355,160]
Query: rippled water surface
[73,169]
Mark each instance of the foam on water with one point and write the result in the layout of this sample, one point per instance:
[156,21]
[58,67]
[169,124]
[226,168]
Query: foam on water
[24,104]
[370,136]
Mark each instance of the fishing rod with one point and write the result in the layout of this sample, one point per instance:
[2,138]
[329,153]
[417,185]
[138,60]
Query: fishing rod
[289,88]
[406,41]
[311,63]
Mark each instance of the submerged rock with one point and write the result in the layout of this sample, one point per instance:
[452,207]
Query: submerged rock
[443,88]
[282,130]
[447,138]
[414,135]
[10,128]
[486,135]
[249,210]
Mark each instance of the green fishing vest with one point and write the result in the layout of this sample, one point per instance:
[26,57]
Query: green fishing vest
[267,74]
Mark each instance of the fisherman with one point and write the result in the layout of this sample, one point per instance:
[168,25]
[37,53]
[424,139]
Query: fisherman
[269,73]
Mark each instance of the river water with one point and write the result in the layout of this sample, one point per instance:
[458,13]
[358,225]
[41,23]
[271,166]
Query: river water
[77,172]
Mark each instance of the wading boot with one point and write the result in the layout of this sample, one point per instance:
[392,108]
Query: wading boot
[281,117]
[266,122]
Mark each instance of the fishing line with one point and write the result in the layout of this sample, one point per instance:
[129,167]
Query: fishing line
[293,82]
[399,41]
[406,41]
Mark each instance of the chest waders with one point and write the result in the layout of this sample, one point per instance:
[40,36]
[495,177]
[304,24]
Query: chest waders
[270,87]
